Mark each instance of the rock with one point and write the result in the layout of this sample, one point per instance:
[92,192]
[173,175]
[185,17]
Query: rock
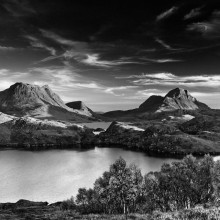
[152,103]
[118,127]
[23,99]
[81,107]
[99,130]
[175,100]
[27,203]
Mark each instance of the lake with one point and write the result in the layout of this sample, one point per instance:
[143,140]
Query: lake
[57,174]
[94,125]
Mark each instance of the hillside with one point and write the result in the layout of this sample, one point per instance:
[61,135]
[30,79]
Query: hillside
[35,134]
[172,137]
[23,99]
[81,107]
[177,99]
[182,190]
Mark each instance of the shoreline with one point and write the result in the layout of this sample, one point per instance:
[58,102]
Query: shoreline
[80,147]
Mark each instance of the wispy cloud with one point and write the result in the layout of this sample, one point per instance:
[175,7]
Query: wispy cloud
[169,79]
[193,13]
[167,13]
[149,92]
[83,53]
[94,60]
[3,48]
[208,29]
[165,45]
[63,80]
[18,8]
[34,42]
[163,75]
[114,90]
[61,40]
[167,60]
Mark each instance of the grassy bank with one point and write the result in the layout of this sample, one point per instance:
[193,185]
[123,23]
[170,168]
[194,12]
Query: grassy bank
[43,213]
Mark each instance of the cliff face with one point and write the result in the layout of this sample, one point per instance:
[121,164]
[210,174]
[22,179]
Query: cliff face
[176,99]
[152,103]
[23,99]
[27,96]
[80,106]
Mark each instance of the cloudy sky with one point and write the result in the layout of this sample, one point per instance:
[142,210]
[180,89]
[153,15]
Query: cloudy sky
[112,55]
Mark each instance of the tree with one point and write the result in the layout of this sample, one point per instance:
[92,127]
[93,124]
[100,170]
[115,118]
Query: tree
[216,180]
[124,185]
[102,189]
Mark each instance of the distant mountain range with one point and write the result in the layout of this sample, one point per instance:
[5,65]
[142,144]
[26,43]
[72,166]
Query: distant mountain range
[22,99]
[176,99]
[35,118]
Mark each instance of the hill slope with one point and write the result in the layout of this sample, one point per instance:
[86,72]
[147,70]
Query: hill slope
[81,107]
[23,99]
[174,100]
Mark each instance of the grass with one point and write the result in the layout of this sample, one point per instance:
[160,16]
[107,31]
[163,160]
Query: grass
[36,213]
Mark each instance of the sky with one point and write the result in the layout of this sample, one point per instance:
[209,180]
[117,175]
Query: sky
[112,54]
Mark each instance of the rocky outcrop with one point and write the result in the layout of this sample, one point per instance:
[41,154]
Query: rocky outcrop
[23,99]
[22,203]
[81,107]
[151,104]
[159,139]
[178,99]
[175,100]
[34,134]
[200,124]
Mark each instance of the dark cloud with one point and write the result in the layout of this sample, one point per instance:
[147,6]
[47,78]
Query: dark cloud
[195,12]
[18,8]
[209,28]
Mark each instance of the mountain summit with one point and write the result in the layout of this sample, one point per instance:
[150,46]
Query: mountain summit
[23,99]
[176,99]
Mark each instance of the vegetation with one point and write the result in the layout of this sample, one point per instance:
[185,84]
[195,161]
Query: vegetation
[188,189]
[173,138]
[177,186]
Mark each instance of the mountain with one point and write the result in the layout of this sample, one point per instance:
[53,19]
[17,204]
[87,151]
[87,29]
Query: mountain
[176,99]
[23,99]
[151,104]
[80,106]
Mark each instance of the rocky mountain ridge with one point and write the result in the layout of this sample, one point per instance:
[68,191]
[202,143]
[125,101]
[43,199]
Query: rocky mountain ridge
[23,99]
[176,99]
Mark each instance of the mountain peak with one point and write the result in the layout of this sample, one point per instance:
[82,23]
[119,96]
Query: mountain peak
[46,87]
[177,92]
[175,99]
[18,84]
[23,99]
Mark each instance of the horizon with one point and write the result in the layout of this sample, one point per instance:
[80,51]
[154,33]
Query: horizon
[112,56]
[107,109]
